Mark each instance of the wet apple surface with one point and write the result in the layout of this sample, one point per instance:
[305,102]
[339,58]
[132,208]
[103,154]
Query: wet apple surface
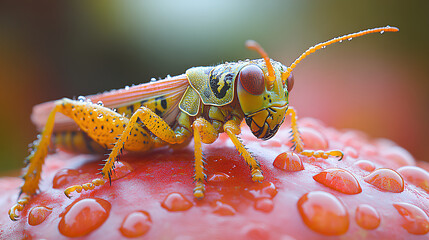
[377,191]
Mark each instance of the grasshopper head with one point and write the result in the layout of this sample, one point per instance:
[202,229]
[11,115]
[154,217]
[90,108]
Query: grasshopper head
[263,94]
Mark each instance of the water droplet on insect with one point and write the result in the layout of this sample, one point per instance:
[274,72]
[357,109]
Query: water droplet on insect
[168,76]
[38,214]
[153,79]
[115,110]
[367,217]
[63,177]
[341,41]
[81,99]
[100,103]
[324,47]
[323,213]
[414,219]
[83,217]
[386,179]
[223,209]
[289,162]
[264,204]
[100,115]
[136,224]
[127,87]
[381,32]
[339,180]
[349,39]
[176,202]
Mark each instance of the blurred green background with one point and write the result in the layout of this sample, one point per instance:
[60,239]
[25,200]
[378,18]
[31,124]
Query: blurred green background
[377,83]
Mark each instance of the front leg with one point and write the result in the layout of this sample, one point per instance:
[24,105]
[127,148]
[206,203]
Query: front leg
[232,128]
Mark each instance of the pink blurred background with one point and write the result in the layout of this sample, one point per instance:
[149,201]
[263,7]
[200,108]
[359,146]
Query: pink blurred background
[377,83]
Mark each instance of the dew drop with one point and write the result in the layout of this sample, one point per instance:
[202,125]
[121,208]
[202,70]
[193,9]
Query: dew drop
[339,180]
[349,39]
[341,41]
[261,190]
[415,220]
[83,217]
[289,162]
[367,217]
[416,176]
[136,224]
[365,165]
[224,209]
[323,213]
[381,32]
[264,205]
[121,170]
[63,177]
[399,155]
[313,139]
[218,177]
[81,99]
[255,231]
[386,179]
[153,79]
[127,87]
[100,116]
[38,214]
[100,103]
[176,202]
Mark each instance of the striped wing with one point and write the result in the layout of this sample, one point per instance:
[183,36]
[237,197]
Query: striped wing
[171,88]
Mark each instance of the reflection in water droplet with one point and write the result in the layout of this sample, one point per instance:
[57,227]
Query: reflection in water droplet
[176,202]
[386,179]
[340,180]
[415,220]
[323,213]
[415,175]
[367,217]
[83,217]
[38,214]
[261,190]
[289,162]
[136,224]
[365,165]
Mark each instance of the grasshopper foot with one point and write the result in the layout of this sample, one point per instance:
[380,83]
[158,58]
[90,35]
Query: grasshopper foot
[257,175]
[18,207]
[199,190]
[87,186]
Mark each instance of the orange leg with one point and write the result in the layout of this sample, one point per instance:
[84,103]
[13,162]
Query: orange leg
[298,145]
[232,128]
[153,123]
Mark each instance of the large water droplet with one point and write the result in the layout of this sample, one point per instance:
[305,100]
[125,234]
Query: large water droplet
[289,162]
[399,155]
[340,180]
[83,217]
[313,139]
[365,165]
[323,213]
[136,224]
[367,217]
[386,179]
[176,202]
[38,214]
[415,220]
[63,177]
[416,176]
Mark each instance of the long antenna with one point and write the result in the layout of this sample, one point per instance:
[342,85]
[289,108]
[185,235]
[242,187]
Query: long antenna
[253,45]
[311,50]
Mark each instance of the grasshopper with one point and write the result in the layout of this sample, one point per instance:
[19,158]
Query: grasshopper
[201,103]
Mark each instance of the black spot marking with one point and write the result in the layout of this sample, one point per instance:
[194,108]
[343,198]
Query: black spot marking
[157,112]
[163,101]
[131,108]
[143,102]
[215,77]
[102,127]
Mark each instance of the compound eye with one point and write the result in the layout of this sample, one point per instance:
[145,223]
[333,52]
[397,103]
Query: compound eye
[290,82]
[251,78]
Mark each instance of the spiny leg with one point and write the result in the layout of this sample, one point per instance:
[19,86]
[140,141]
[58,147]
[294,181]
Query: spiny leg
[153,123]
[206,133]
[232,128]
[298,145]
